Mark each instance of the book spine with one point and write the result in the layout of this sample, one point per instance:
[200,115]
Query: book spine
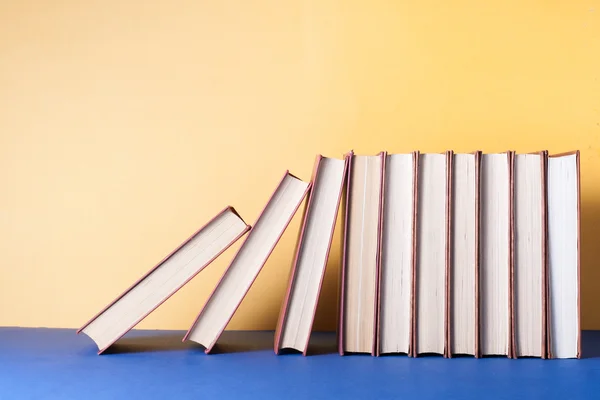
[545,308]
[577,160]
[413,332]
[448,232]
[511,343]
[477,249]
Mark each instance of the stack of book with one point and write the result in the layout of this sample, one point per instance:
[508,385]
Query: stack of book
[472,254]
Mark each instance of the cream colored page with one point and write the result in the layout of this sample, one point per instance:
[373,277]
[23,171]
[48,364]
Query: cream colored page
[464,239]
[157,286]
[397,255]
[431,261]
[361,268]
[312,257]
[495,262]
[563,236]
[529,247]
[248,261]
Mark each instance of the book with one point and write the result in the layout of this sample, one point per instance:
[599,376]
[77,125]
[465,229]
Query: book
[496,251]
[464,268]
[357,332]
[433,247]
[398,249]
[248,262]
[312,252]
[529,271]
[564,236]
[164,279]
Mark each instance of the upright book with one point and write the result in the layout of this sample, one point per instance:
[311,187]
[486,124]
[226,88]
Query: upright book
[496,262]
[464,268]
[398,254]
[248,262]
[433,254]
[564,236]
[529,291]
[358,325]
[306,277]
[164,279]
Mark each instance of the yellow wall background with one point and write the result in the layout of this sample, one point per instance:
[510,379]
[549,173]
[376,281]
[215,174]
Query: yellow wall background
[125,125]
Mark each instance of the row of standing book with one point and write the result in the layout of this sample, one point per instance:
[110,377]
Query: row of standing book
[472,254]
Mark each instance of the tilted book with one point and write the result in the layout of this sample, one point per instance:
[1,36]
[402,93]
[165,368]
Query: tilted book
[164,279]
[312,252]
[248,262]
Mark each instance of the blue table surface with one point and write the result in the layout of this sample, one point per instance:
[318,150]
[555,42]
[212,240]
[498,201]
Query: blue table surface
[38,363]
